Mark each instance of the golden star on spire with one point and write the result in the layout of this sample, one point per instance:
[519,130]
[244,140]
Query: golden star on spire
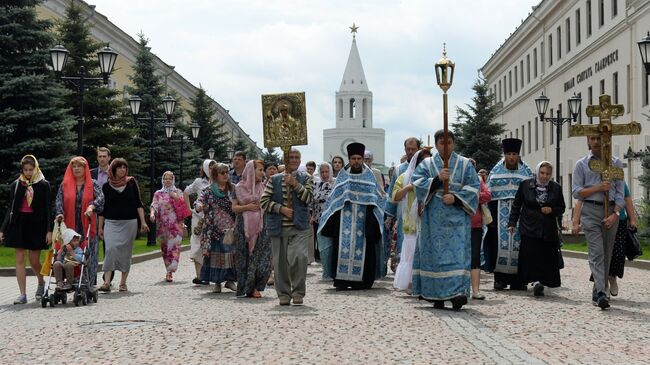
[353,29]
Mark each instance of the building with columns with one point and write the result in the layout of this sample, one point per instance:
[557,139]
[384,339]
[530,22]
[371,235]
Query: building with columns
[353,113]
[586,47]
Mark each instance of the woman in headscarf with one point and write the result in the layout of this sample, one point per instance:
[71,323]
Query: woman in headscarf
[169,211]
[538,208]
[322,190]
[119,222]
[219,256]
[404,196]
[195,188]
[252,244]
[78,201]
[27,224]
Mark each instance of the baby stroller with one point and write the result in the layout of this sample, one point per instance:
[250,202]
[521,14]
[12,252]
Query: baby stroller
[83,292]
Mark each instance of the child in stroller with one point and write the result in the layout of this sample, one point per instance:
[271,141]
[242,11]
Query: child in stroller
[69,256]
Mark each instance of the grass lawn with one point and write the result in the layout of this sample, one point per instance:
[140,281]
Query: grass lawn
[8,259]
[582,247]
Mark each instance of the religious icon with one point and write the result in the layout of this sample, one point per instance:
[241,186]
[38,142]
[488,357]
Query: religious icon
[284,119]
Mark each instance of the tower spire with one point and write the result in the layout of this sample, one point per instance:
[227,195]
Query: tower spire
[353,30]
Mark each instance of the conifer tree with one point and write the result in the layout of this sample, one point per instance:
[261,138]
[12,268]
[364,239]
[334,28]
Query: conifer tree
[271,155]
[211,134]
[106,122]
[33,117]
[477,133]
[240,145]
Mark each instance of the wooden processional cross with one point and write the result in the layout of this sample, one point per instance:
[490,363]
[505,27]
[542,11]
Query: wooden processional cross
[605,129]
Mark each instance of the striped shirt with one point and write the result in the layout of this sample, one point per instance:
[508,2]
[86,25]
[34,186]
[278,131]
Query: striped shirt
[304,193]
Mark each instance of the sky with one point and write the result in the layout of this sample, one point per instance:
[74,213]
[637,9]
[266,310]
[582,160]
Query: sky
[239,50]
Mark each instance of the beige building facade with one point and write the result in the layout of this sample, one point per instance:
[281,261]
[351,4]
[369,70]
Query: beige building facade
[586,47]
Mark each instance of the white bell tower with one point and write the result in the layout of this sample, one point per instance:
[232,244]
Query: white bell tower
[353,112]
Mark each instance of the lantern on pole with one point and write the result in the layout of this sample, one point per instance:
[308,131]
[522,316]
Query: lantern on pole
[444,78]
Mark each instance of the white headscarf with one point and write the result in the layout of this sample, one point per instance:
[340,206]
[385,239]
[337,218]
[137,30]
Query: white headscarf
[331,170]
[412,211]
[541,193]
[168,189]
[206,167]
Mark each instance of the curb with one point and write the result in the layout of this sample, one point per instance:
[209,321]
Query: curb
[639,264]
[11,271]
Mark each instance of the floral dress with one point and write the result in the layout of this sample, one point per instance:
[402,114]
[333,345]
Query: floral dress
[254,268]
[219,265]
[322,191]
[170,214]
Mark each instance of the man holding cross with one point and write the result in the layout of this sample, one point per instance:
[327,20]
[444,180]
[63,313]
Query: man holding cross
[598,183]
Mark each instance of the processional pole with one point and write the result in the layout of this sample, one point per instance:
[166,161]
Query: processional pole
[445,77]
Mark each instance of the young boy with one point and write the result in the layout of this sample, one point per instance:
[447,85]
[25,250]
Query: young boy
[68,257]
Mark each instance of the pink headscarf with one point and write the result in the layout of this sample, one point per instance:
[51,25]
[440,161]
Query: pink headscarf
[250,191]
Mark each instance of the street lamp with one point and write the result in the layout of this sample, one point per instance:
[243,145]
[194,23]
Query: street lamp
[106,57]
[169,104]
[444,78]
[169,131]
[644,48]
[541,103]
[211,153]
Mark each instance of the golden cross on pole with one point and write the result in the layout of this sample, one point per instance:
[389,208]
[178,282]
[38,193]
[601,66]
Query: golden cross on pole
[605,110]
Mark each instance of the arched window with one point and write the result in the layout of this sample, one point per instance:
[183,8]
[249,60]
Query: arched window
[353,108]
[364,108]
[340,108]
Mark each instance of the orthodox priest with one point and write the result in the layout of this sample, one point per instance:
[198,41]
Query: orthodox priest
[502,247]
[350,231]
[441,264]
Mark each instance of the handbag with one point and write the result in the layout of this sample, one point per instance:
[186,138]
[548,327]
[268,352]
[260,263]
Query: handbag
[229,236]
[198,229]
[632,245]
[486,216]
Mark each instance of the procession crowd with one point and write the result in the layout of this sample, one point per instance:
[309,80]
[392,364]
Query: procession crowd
[436,222]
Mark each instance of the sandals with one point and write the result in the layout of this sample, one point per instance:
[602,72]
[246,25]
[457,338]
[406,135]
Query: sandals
[169,278]
[231,285]
[123,287]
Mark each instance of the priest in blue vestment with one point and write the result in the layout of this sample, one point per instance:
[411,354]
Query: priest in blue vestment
[501,246]
[351,226]
[441,266]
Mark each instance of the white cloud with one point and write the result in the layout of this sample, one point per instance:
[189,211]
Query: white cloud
[239,50]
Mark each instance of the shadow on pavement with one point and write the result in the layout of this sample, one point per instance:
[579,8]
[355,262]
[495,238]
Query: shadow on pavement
[163,282]
[293,310]
[374,292]
[117,295]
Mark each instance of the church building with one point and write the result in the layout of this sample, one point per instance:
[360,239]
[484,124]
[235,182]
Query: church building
[353,113]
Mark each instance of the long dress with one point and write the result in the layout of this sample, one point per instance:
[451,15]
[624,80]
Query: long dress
[441,263]
[253,269]
[170,214]
[219,265]
[196,187]
[404,272]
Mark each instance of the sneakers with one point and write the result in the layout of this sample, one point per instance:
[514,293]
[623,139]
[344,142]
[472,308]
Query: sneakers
[478,296]
[603,302]
[231,285]
[22,299]
[123,287]
[538,290]
[498,285]
[39,291]
[297,301]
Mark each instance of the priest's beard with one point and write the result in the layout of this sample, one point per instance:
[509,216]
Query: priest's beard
[356,169]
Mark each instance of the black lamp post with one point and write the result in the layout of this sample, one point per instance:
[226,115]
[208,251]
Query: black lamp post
[169,132]
[574,109]
[106,58]
[169,104]
[644,48]
[211,153]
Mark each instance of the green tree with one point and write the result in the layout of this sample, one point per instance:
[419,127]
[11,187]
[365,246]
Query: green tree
[33,116]
[477,132]
[271,155]
[251,152]
[211,134]
[240,144]
[106,122]
[148,86]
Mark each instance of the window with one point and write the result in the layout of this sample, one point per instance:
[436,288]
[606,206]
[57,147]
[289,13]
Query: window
[516,132]
[578,27]
[602,87]
[536,134]
[505,88]
[500,100]
[628,84]
[516,83]
[364,109]
[588,6]
[644,82]
[510,83]
[543,137]
[534,63]
[559,127]
[529,139]
[550,128]
[570,184]
[559,43]
[528,68]
[521,73]
[615,87]
[601,13]
[340,108]
[568,35]
[614,8]
[579,118]
[550,50]
[523,140]
[353,108]
[510,134]
[590,100]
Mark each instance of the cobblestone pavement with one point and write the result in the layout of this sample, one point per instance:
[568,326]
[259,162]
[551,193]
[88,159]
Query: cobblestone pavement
[158,322]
